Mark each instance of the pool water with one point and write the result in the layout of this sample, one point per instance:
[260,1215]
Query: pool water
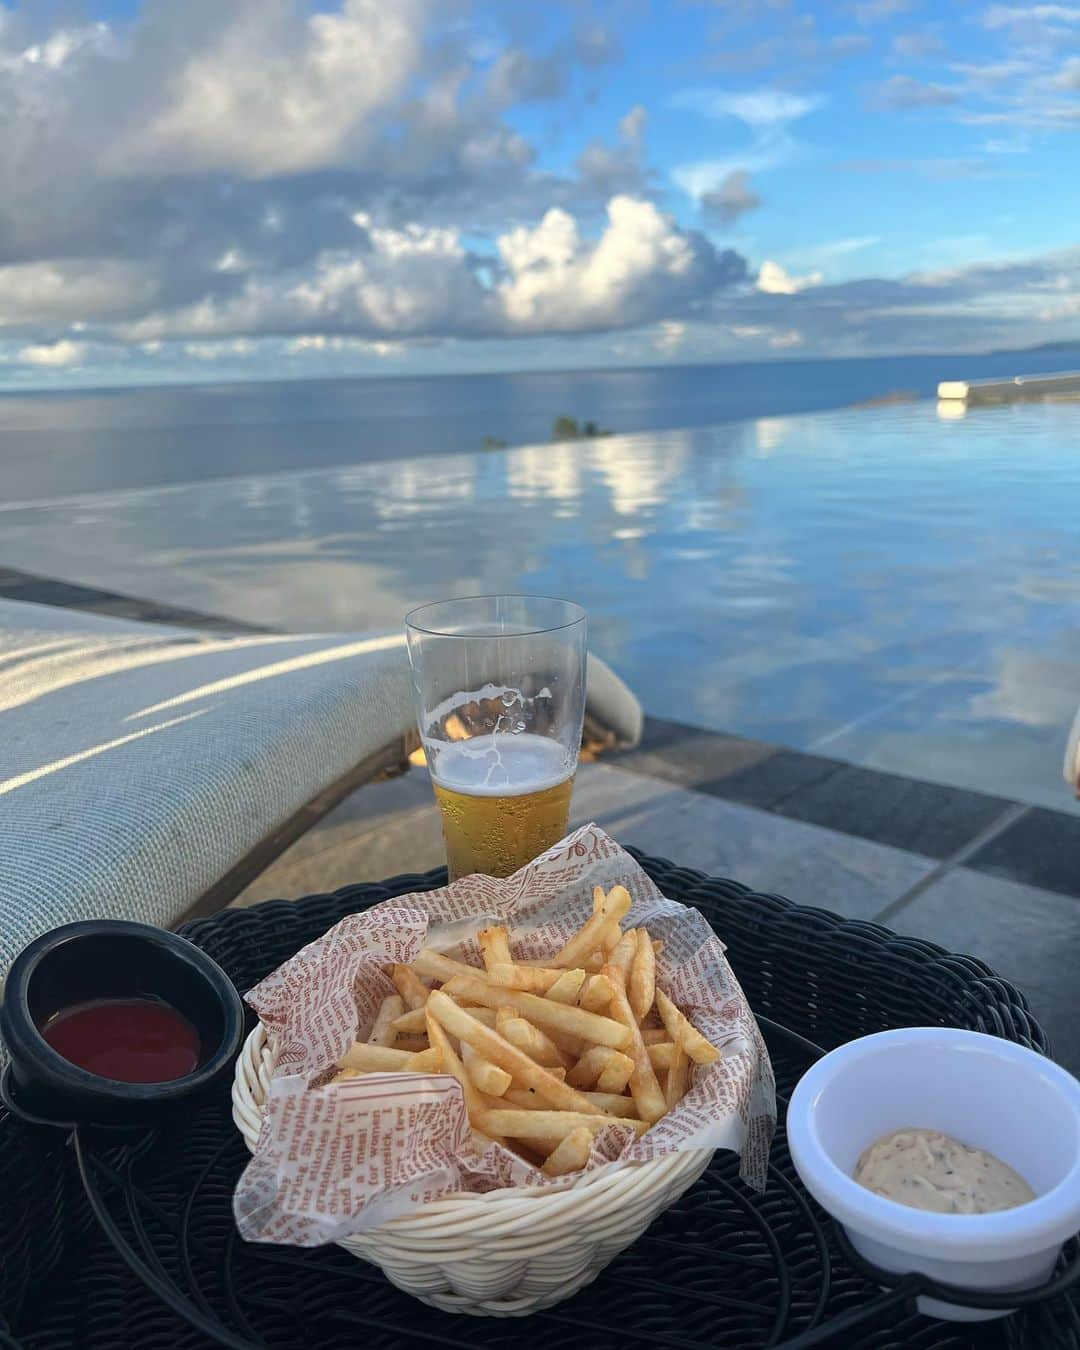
[883,586]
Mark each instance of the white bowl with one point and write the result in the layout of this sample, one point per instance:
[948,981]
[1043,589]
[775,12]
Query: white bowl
[984,1091]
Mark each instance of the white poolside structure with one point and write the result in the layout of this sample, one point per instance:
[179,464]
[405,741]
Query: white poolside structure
[1021,388]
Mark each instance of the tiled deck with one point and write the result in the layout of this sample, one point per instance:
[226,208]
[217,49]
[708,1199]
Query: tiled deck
[973,872]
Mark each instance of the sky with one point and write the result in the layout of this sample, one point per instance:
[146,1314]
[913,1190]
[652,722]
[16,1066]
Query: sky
[251,189]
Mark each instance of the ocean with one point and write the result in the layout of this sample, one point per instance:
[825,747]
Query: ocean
[69,443]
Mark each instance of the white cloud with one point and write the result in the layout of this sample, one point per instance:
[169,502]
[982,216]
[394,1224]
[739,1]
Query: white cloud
[966,308]
[232,260]
[202,162]
[1005,16]
[58,48]
[839,248]
[792,338]
[758,108]
[271,92]
[342,177]
[1007,145]
[558,283]
[699,177]
[518,76]
[670,336]
[216,351]
[632,126]
[904,91]
[313,343]
[620,167]
[61,353]
[732,198]
[917,44]
[767,113]
[422,281]
[69,290]
[775,280]
[1068,77]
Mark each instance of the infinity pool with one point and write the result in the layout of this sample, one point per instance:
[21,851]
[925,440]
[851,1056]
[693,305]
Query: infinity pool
[881,586]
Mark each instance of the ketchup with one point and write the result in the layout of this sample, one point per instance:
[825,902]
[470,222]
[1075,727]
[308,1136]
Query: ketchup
[132,1040]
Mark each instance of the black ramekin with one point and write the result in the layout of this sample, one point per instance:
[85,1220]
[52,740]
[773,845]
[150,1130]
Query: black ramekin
[107,958]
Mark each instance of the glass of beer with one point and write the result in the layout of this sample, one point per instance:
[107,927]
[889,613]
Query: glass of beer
[500,700]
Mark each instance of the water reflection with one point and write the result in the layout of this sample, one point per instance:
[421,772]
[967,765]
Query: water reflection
[877,585]
[546,471]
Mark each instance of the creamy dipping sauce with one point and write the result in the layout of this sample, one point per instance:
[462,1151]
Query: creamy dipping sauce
[930,1170]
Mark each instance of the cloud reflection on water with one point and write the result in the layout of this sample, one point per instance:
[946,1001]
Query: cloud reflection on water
[785,578]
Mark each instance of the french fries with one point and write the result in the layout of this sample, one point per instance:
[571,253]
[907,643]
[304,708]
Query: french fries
[383,1032]
[571,1155]
[409,987]
[495,946]
[474,1102]
[550,1124]
[611,908]
[414,1022]
[622,954]
[440,1044]
[614,1103]
[641,988]
[383,1058]
[499,1051]
[532,1040]
[678,1077]
[684,1033]
[550,1051]
[597,993]
[543,1013]
[591,1065]
[435,966]
[567,987]
[615,1074]
[590,964]
[644,1088]
[533,979]
[662,1055]
[486,1076]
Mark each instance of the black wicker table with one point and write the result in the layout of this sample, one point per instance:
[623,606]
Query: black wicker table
[722,1268]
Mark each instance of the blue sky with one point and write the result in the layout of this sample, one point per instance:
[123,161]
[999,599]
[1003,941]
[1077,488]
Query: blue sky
[259,188]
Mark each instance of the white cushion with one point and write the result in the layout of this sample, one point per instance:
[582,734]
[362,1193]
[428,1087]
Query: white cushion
[138,763]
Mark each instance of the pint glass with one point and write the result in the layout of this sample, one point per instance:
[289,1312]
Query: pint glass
[500,700]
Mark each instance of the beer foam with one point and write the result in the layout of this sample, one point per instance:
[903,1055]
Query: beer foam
[501,765]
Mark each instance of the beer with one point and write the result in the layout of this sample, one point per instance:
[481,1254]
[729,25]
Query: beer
[504,799]
[500,703]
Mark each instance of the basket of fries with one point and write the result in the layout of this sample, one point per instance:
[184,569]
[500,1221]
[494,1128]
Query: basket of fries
[491,1111]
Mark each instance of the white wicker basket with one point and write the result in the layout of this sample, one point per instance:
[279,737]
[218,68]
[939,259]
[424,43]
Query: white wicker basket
[505,1253]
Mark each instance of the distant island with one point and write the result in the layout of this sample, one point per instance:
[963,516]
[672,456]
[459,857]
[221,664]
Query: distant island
[564,428]
[568,429]
[1061,345]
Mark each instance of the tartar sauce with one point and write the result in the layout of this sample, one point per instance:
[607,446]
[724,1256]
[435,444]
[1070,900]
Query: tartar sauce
[930,1170]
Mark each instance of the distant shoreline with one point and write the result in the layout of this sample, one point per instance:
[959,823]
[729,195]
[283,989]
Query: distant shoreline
[28,391]
[79,442]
